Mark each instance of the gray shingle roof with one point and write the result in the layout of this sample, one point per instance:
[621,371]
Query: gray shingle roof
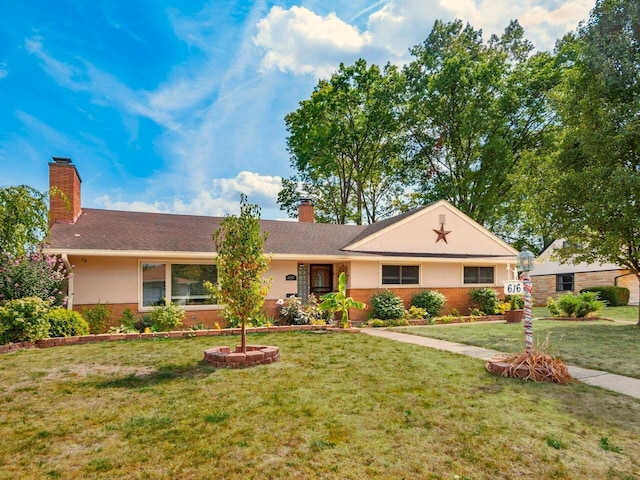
[160,232]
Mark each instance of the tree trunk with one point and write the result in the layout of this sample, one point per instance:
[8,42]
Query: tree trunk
[244,337]
[638,302]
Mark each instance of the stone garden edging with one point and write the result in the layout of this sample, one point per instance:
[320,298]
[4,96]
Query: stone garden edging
[113,337]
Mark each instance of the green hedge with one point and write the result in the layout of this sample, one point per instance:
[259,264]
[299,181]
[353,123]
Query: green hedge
[610,295]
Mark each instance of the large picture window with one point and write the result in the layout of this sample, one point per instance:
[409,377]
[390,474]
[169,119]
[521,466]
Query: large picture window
[183,283]
[400,275]
[479,275]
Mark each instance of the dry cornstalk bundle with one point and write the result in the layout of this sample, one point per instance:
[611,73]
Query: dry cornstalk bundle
[536,366]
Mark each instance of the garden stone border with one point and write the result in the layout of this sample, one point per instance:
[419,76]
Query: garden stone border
[113,337]
[223,357]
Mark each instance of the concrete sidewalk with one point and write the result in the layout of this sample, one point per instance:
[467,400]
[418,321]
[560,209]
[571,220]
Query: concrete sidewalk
[608,381]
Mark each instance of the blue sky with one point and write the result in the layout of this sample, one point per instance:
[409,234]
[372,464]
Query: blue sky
[178,105]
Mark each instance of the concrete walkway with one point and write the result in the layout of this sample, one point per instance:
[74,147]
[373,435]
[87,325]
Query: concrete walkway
[608,381]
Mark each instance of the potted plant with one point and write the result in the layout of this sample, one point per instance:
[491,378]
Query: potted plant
[515,312]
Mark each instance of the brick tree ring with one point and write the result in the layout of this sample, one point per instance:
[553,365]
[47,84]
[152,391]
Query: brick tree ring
[223,357]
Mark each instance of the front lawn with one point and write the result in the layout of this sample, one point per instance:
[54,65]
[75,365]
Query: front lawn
[343,406]
[601,345]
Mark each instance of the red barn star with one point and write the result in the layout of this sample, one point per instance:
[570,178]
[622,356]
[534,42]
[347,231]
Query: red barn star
[442,233]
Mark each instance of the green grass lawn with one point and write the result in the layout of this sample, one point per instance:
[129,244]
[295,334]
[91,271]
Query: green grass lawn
[602,345]
[341,406]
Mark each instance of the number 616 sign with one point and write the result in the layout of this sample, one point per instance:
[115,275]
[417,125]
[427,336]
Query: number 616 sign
[513,287]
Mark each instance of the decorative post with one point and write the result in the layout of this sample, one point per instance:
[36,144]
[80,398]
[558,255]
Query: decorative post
[525,265]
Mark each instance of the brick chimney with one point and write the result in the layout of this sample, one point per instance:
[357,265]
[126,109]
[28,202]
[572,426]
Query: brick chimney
[64,176]
[306,211]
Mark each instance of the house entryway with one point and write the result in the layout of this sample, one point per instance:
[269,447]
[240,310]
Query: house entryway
[320,279]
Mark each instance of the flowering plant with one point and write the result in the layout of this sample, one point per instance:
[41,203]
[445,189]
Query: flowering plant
[35,274]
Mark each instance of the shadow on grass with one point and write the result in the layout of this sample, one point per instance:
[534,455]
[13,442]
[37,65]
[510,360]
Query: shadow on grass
[162,375]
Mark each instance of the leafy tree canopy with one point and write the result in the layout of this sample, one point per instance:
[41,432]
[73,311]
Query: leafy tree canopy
[23,219]
[474,111]
[345,146]
[589,192]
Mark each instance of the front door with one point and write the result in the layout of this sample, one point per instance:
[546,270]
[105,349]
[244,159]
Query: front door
[321,279]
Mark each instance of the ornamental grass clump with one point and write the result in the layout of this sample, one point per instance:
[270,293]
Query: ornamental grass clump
[537,365]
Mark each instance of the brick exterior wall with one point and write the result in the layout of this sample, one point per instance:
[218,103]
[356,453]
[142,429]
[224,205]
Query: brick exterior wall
[208,318]
[64,176]
[544,286]
[457,298]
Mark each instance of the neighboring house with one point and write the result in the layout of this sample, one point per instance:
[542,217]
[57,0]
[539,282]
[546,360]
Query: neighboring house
[551,278]
[134,260]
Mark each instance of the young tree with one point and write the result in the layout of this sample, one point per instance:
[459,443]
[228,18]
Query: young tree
[590,194]
[345,145]
[23,219]
[474,110]
[241,264]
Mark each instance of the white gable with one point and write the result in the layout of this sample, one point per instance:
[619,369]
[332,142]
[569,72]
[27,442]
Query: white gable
[418,234]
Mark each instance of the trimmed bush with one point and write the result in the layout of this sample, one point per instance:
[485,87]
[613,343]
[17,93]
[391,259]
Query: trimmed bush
[484,300]
[66,323]
[431,300]
[386,305]
[611,295]
[579,305]
[24,320]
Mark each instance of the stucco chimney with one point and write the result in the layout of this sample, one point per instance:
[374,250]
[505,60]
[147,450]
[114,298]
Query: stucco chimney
[64,177]
[306,211]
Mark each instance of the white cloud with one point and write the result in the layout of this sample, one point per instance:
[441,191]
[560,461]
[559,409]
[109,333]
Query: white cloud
[4,71]
[223,199]
[249,183]
[299,41]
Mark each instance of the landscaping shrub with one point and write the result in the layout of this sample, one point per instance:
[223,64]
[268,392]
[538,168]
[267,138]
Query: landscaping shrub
[142,323]
[24,320]
[415,312]
[165,318]
[484,300]
[97,317]
[293,312]
[33,275]
[431,300]
[579,305]
[386,305]
[66,323]
[128,319]
[397,322]
[611,295]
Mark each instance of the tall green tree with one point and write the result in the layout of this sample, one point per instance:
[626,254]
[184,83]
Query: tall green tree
[241,264]
[23,219]
[345,146]
[590,193]
[474,110]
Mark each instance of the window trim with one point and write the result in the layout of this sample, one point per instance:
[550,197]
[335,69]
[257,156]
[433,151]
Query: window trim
[493,267]
[167,280]
[558,283]
[401,265]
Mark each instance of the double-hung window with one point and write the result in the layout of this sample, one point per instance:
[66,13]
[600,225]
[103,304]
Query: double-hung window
[400,275]
[564,282]
[483,275]
[180,283]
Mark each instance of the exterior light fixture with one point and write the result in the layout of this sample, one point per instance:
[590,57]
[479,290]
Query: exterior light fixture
[525,260]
